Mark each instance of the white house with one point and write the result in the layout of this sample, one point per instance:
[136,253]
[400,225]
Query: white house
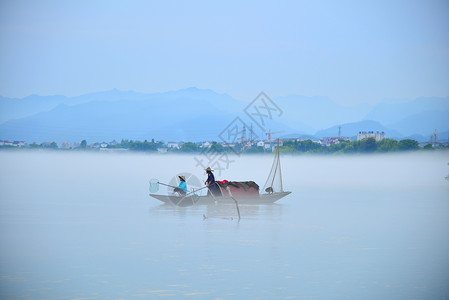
[378,136]
[66,145]
[8,143]
[173,145]
[21,144]
[333,140]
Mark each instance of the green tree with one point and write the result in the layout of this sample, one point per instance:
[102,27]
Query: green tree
[218,148]
[338,147]
[141,146]
[309,146]
[387,145]
[349,148]
[189,147]
[254,150]
[285,148]
[428,147]
[83,144]
[368,145]
[288,146]
[408,144]
[52,145]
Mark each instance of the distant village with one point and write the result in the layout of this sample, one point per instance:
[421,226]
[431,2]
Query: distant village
[241,144]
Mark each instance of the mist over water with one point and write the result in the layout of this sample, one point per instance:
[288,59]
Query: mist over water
[82,225]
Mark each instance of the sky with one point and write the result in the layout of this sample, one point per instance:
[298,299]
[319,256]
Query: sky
[351,51]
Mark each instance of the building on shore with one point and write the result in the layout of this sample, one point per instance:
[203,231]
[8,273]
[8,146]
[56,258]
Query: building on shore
[173,145]
[333,140]
[206,145]
[228,145]
[19,144]
[66,145]
[378,135]
[272,144]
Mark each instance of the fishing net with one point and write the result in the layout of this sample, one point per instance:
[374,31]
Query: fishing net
[154,185]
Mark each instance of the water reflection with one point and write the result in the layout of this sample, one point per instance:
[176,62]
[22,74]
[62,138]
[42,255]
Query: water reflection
[225,211]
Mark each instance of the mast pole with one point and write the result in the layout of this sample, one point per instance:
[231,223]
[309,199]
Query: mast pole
[279,163]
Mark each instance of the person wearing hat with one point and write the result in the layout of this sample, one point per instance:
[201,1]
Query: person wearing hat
[182,187]
[210,182]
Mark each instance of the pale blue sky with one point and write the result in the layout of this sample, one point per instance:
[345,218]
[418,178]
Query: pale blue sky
[351,51]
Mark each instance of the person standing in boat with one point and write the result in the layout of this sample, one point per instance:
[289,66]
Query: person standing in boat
[210,182]
[182,187]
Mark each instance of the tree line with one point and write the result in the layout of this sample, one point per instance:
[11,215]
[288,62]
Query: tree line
[369,145]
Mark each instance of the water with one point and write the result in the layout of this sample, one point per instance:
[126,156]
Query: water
[77,225]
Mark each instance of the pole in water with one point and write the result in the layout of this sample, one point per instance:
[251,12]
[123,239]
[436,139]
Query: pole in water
[236,203]
[213,196]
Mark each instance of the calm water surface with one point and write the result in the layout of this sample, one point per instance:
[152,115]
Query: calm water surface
[76,225]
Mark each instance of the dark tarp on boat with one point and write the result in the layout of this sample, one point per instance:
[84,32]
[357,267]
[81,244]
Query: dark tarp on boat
[239,188]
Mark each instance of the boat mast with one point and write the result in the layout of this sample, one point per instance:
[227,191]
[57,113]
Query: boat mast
[279,164]
[276,167]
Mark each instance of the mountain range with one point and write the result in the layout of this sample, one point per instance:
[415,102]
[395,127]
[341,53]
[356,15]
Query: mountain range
[194,114]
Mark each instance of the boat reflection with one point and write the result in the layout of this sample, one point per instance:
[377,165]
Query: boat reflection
[221,210]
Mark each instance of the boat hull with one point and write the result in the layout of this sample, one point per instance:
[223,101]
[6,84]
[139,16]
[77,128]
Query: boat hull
[206,200]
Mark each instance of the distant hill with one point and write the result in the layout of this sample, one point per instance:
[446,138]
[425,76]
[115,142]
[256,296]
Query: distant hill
[423,123]
[194,114]
[11,108]
[351,129]
[137,117]
[298,136]
[316,113]
[186,115]
[390,111]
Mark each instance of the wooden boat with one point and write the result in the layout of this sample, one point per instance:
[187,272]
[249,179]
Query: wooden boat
[206,200]
[273,189]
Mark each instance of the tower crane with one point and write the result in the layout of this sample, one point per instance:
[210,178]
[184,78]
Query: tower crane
[269,133]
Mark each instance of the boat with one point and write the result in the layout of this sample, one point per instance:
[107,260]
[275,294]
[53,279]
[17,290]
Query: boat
[206,200]
[232,192]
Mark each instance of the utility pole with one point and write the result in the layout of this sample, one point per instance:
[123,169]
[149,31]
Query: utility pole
[251,134]
[435,137]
